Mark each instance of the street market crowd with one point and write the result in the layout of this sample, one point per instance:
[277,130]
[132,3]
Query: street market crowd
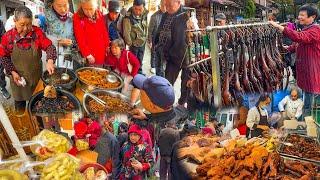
[117,40]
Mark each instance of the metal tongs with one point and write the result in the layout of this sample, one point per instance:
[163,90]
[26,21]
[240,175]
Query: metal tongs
[98,100]
[285,143]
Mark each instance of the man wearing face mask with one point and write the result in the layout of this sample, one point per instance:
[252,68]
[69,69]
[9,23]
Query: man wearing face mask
[135,29]
[257,119]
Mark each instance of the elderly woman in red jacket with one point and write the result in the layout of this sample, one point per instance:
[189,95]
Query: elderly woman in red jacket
[123,62]
[91,33]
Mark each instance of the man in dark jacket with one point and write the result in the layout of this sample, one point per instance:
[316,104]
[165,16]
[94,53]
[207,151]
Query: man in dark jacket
[3,83]
[172,45]
[168,136]
[135,29]
[178,169]
[108,150]
[156,64]
[114,20]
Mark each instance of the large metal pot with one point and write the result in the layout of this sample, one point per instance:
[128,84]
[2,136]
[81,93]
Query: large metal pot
[43,117]
[70,86]
[84,86]
[98,92]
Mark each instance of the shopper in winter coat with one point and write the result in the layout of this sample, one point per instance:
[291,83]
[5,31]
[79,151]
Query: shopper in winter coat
[157,97]
[178,170]
[307,47]
[91,33]
[122,133]
[93,131]
[135,29]
[146,136]
[3,82]
[172,45]
[156,64]
[120,58]
[114,20]
[123,62]
[108,150]
[168,136]
[136,156]
[60,29]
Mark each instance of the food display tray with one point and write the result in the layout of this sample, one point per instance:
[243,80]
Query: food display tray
[293,157]
[84,86]
[99,92]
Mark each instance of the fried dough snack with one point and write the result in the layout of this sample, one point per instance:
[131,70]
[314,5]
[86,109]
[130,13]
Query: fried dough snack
[114,105]
[97,78]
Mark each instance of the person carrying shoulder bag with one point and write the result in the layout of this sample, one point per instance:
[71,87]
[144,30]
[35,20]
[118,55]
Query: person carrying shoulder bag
[124,63]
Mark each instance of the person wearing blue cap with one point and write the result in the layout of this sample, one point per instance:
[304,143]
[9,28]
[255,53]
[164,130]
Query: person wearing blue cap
[157,97]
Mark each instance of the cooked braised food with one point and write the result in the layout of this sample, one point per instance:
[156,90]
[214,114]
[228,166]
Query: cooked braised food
[97,78]
[304,147]
[254,162]
[114,105]
[55,78]
[61,104]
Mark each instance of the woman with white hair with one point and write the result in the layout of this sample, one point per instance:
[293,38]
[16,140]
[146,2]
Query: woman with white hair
[20,54]
[91,32]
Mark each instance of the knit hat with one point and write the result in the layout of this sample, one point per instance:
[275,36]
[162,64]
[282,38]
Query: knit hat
[80,129]
[134,129]
[139,2]
[158,89]
[114,6]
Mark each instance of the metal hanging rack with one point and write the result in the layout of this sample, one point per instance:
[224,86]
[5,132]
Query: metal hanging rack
[214,54]
[213,30]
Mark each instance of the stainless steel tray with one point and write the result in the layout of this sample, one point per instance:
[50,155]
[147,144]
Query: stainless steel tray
[84,86]
[99,92]
[280,150]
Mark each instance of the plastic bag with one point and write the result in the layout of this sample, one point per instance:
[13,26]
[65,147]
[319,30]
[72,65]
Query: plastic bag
[82,144]
[63,166]
[53,144]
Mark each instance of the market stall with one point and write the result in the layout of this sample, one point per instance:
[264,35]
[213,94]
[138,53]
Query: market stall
[282,155]
[54,108]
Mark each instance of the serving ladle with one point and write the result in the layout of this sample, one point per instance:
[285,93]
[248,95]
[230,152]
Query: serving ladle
[65,76]
[111,78]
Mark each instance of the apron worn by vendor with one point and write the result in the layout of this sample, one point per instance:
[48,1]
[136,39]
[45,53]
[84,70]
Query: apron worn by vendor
[263,121]
[28,65]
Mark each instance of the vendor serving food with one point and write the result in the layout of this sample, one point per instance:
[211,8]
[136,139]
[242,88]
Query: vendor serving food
[257,120]
[20,53]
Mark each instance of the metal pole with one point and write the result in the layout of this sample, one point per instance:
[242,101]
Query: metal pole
[236,26]
[216,82]
[211,28]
